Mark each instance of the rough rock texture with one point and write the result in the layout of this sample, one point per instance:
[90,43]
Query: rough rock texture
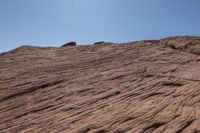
[139,87]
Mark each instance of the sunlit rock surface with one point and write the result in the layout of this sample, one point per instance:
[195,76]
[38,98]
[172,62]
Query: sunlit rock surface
[150,86]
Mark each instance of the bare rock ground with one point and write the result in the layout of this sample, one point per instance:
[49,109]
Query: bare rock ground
[150,86]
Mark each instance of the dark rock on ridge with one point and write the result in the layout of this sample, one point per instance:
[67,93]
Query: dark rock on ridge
[137,87]
[99,42]
[69,44]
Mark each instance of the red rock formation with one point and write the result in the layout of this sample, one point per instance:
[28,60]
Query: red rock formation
[139,87]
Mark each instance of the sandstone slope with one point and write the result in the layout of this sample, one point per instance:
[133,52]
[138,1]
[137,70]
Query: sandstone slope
[150,86]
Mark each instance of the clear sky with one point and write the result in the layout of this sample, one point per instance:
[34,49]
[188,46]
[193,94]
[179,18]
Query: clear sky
[54,22]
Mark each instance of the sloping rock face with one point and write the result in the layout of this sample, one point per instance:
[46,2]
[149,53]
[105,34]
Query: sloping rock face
[139,87]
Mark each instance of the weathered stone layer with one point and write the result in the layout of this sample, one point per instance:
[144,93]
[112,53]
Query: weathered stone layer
[139,87]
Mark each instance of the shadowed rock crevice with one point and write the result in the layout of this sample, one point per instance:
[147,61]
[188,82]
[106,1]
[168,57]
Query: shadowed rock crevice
[149,86]
[172,84]
[30,90]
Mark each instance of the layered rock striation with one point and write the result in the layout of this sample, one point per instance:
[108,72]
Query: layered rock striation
[150,86]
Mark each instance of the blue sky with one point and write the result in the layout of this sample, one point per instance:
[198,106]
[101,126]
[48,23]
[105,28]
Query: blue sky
[54,22]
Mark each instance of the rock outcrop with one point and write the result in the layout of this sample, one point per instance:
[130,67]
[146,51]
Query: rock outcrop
[69,44]
[148,86]
[96,43]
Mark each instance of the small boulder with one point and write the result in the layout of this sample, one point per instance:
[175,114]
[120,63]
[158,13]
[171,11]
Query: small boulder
[168,46]
[99,42]
[69,44]
[171,46]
